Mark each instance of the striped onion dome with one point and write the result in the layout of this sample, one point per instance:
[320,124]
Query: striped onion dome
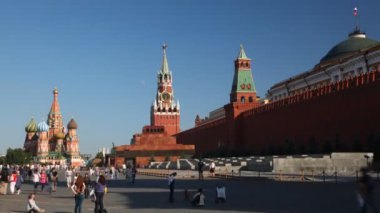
[32,126]
[43,127]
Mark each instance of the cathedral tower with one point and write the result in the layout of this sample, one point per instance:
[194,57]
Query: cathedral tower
[43,139]
[55,116]
[164,111]
[72,140]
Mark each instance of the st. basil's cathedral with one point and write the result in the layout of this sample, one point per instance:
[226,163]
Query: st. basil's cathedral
[49,143]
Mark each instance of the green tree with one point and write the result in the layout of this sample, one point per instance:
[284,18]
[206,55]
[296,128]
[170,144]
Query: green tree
[17,156]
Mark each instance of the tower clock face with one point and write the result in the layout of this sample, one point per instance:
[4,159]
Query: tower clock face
[165,96]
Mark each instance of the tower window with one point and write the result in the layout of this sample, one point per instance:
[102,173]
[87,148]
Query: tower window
[250,99]
[242,99]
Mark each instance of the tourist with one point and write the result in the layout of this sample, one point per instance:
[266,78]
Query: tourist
[366,192]
[4,179]
[198,198]
[78,189]
[75,177]
[43,179]
[87,182]
[200,169]
[12,180]
[54,178]
[100,189]
[32,206]
[128,174]
[212,169]
[171,183]
[133,173]
[220,193]
[68,175]
[19,181]
[36,179]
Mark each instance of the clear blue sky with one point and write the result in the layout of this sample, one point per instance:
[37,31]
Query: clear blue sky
[104,56]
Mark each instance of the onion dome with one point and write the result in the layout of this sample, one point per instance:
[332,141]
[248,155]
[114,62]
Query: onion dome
[72,124]
[32,126]
[59,135]
[43,127]
[357,41]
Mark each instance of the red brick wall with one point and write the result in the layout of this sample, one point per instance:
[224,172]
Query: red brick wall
[349,110]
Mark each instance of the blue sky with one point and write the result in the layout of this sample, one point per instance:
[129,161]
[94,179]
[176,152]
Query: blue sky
[104,55]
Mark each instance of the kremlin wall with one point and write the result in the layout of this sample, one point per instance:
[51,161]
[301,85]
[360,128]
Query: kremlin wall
[337,112]
[331,108]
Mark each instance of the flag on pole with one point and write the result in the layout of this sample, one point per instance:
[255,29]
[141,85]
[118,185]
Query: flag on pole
[355,11]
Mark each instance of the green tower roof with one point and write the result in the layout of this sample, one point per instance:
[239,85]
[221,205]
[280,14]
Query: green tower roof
[242,54]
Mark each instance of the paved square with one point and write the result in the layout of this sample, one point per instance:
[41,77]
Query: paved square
[150,194]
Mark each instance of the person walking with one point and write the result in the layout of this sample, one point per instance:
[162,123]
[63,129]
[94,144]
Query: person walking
[134,172]
[32,206]
[366,192]
[171,183]
[69,175]
[78,189]
[36,179]
[212,169]
[12,180]
[200,169]
[87,182]
[43,180]
[100,189]
[19,181]
[54,178]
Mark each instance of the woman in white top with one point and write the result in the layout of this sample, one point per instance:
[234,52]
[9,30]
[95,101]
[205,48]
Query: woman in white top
[32,206]
[36,178]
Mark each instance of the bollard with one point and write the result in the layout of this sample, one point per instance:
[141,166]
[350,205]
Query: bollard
[324,176]
[303,175]
[232,173]
[336,177]
[312,175]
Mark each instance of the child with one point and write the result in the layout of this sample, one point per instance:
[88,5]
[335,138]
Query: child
[32,206]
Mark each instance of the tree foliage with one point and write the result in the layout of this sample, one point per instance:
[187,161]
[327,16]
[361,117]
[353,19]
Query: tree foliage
[17,156]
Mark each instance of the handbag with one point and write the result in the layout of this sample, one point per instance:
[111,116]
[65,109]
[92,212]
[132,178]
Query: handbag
[92,195]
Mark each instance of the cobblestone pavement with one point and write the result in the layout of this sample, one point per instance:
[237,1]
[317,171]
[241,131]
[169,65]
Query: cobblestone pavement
[150,194]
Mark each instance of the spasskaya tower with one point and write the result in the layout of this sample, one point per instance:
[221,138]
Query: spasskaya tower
[165,112]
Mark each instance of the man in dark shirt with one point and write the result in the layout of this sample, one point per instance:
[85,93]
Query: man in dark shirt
[200,169]
[4,179]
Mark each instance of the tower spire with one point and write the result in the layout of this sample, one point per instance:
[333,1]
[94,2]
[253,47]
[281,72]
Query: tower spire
[242,54]
[55,117]
[55,109]
[164,66]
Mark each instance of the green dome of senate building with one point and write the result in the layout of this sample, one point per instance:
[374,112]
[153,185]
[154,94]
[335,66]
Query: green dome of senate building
[357,41]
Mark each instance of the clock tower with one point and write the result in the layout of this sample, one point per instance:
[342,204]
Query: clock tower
[165,111]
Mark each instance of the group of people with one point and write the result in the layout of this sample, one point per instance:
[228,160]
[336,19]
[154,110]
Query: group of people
[198,199]
[201,166]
